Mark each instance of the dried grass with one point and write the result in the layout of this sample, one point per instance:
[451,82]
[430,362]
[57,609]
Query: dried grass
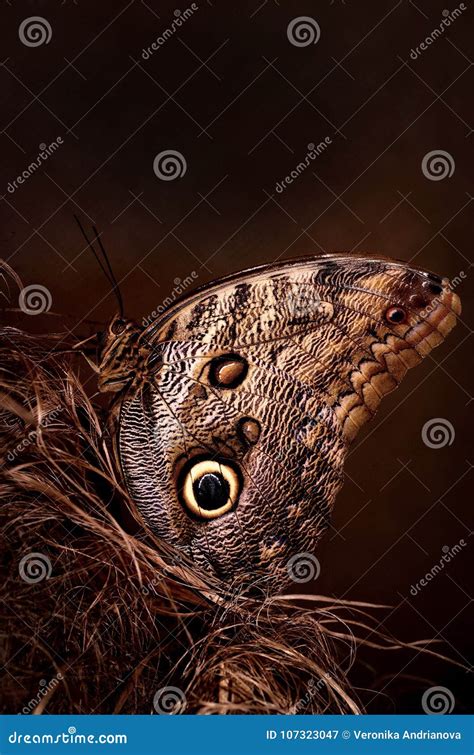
[122,615]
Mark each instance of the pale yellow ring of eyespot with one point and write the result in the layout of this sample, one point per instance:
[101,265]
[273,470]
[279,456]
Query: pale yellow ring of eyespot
[206,467]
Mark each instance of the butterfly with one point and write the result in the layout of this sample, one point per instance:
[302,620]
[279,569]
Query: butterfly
[237,405]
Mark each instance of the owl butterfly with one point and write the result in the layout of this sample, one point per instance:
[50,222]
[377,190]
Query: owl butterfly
[239,403]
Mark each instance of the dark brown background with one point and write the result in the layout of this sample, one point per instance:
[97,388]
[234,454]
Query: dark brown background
[241,104]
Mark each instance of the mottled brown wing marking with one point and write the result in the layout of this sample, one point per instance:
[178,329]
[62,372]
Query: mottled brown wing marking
[279,514]
[302,390]
[366,387]
[321,429]
[214,450]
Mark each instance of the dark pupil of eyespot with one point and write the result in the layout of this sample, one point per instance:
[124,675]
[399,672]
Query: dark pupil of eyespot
[211,491]
[397,315]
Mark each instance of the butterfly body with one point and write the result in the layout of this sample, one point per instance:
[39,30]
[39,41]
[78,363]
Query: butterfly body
[239,403]
[123,356]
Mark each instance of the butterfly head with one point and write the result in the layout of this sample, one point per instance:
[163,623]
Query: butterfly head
[120,355]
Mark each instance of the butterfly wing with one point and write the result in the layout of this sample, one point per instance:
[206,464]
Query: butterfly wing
[233,447]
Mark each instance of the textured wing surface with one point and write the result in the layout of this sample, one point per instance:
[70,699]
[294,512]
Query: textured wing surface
[273,372]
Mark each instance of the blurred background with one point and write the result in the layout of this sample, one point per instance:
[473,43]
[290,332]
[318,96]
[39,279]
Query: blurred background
[239,95]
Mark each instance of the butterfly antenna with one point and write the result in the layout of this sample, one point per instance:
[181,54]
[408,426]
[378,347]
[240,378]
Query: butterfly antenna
[106,269]
[113,279]
[91,247]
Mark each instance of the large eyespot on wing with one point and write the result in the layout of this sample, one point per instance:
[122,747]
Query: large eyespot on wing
[275,370]
[208,488]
